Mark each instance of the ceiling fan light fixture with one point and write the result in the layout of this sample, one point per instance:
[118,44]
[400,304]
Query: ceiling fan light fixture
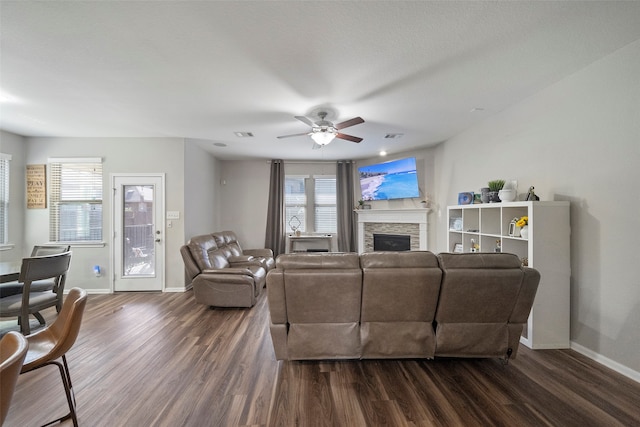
[323,137]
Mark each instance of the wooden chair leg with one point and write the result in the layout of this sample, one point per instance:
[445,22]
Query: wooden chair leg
[38,316]
[25,328]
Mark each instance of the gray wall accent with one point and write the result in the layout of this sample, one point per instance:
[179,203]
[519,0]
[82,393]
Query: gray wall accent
[14,145]
[577,140]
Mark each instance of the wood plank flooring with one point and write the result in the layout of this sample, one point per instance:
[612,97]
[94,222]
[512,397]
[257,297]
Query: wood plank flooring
[150,359]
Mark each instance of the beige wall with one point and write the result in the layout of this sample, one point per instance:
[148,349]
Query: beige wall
[201,191]
[15,146]
[120,155]
[578,140]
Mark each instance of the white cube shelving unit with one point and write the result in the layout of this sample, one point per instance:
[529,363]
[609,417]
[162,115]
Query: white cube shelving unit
[547,249]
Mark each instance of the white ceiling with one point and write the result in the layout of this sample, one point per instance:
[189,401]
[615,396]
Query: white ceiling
[204,70]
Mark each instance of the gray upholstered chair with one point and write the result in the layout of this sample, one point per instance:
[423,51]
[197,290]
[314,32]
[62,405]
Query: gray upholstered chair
[49,267]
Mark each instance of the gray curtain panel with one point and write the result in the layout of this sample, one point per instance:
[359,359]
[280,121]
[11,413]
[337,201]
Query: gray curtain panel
[345,204]
[274,238]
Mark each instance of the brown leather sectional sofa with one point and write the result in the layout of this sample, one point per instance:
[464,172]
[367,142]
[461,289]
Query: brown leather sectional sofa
[413,304]
[222,273]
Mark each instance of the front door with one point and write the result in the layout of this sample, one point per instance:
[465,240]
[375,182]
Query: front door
[138,238]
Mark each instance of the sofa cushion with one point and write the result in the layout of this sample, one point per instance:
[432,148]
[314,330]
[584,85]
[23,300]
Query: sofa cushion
[477,297]
[399,286]
[318,296]
[399,299]
[478,287]
[218,258]
[325,260]
[448,261]
[317,341]
[200,246]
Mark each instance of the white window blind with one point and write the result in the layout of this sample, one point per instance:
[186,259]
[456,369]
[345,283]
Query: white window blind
[310,204]
[325,205]
[5,163]
[75,196]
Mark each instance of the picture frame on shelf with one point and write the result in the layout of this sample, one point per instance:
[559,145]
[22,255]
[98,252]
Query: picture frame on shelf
[455,224]
[457,248]
[465,198]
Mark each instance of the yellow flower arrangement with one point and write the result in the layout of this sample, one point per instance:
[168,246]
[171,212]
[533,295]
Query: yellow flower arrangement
[524,220]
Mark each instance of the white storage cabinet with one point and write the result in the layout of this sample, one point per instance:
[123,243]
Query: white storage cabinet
[547,249]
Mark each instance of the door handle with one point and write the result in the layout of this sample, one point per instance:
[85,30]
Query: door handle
[157,240]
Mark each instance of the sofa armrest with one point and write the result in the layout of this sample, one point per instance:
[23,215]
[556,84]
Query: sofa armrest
[249,264]
[227,270]
[527,295]
[234,259]
[276,296]
[190,265]
[265,252]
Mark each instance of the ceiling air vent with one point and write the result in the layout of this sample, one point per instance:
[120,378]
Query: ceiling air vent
[244,134]
[393,135]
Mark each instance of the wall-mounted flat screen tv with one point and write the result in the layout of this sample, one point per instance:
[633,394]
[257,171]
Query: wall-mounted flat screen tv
[396,179]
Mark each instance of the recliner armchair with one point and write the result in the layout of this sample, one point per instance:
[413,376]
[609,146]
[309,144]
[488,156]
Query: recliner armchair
[222,273]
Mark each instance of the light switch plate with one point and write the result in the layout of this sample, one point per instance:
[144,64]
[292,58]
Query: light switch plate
[173,214]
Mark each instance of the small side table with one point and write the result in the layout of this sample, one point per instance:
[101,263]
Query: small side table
[293,241]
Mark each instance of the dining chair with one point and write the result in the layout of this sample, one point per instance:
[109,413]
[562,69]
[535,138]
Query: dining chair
[40,250]
[48,345]
[30,301]
[15,287]
[13,349]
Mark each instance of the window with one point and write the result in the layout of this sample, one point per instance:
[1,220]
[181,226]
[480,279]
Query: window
[5,160]
[295,199]
[75,213]
[325,205]
[310,204]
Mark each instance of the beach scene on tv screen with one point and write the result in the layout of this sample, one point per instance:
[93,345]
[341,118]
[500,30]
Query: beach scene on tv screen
[391,180]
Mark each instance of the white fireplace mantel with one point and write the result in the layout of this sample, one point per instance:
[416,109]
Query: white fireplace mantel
[404,216]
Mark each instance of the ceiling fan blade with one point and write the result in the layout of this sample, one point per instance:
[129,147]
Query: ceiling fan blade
[305,120]
[348,137]
[295,134]
[352,122]
[316,146]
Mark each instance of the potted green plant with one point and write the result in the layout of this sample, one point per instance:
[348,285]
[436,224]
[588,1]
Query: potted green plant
[495,186]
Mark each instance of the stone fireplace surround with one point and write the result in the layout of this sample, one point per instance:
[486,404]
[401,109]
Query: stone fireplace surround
[412,222]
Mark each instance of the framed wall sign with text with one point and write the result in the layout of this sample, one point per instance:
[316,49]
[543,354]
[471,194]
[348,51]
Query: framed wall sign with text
[36,187]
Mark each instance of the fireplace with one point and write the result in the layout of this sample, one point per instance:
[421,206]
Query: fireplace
[391,242]
[407,222]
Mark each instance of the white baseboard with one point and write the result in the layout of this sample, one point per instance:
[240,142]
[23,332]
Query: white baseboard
[94,291]
[177,289]
[611,364]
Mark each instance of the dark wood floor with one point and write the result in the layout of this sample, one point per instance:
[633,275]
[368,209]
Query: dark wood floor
[147,359]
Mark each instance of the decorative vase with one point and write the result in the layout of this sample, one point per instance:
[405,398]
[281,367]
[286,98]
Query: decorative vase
[524,232]
[507,195]
[484,194]
[493,197]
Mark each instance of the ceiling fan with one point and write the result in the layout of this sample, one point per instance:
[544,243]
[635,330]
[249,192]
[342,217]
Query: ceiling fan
[323,131]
